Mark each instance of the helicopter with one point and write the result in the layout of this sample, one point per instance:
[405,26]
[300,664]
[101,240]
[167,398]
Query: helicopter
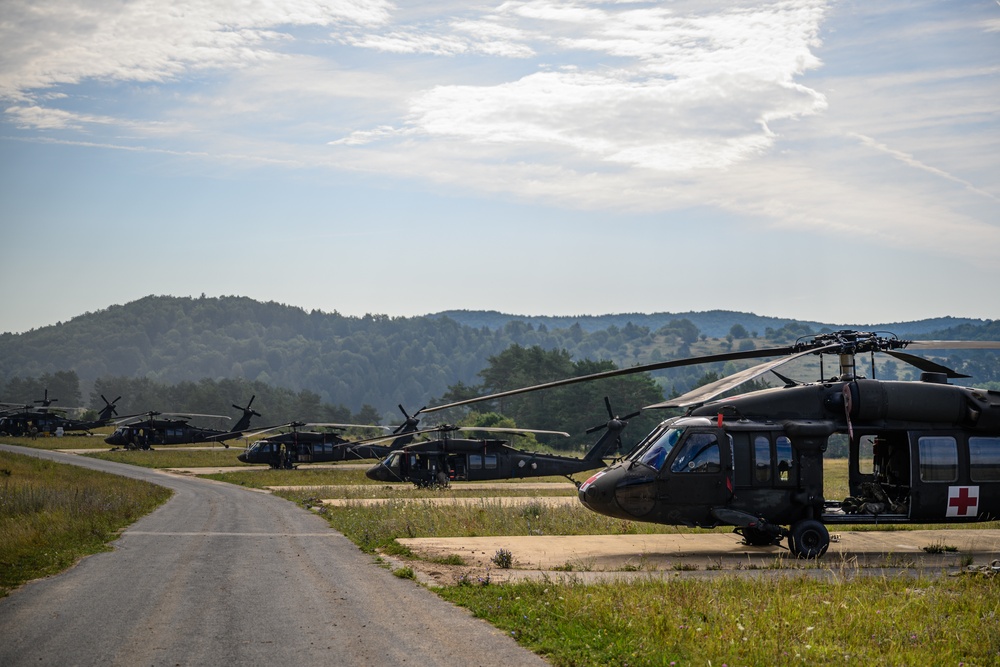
[922,451]
[288,450]
[443,460]
[26,420]
[144,430]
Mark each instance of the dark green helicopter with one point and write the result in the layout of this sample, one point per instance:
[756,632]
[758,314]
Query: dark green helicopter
[290,449]
[28,419]
[919,451]
[445,459]
[144,430]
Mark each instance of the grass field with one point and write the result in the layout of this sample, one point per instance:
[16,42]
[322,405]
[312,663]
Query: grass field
[166,457]
[748,621]
[52,514]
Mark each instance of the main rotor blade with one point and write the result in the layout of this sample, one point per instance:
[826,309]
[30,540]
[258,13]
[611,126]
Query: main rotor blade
[515,431]
[925,365]
[953,345]
[711,390]
[676,363]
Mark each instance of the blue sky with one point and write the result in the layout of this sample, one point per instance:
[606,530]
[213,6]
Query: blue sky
[830,161]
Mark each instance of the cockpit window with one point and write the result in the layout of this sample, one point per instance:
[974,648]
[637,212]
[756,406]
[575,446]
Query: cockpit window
[700,453]
[656,452]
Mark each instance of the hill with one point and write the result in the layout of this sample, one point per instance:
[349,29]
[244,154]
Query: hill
[379,360]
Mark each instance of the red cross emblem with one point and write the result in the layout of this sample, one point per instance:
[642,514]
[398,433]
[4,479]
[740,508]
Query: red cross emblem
[963,501]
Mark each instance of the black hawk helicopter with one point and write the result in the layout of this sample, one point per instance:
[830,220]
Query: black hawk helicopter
[444,459]
[145,430]
[28,420]
[919,451]
[290,449]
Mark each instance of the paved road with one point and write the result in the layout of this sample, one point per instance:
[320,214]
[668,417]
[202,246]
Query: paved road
[225,575]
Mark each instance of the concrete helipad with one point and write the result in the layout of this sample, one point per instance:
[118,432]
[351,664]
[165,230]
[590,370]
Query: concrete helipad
[500,501]
[595,557]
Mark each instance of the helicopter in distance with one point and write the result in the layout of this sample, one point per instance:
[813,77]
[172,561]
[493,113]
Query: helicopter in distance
[144,430]
[294,447]
[922,451]
[27,420]
[444,459]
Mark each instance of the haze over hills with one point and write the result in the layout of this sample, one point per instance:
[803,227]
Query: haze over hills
[383,361]
[713,323]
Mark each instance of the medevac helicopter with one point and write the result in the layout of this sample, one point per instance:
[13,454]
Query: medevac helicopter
[25,420]
[290,449]
[445,459]
[143,431]
[919,451]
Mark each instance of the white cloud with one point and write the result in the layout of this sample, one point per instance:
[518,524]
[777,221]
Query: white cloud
[52,42]
[669,92]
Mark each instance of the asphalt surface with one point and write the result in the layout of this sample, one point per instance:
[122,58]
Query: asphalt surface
[225,575]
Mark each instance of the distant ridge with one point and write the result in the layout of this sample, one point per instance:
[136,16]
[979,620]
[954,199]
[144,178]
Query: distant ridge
[713,323]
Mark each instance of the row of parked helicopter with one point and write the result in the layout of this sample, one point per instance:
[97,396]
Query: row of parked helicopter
[919,451]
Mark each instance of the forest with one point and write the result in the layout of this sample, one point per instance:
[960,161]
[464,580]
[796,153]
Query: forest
[204,354]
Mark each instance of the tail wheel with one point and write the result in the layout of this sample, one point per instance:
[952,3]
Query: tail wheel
[808,539]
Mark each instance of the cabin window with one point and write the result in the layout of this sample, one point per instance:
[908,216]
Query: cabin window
[699,453]
[984,459]
[866,454]
[762,459]
[938,459]
[491,461]
[475,461]
[783,448]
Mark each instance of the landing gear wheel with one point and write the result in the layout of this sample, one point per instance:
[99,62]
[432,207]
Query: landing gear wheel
[808,539]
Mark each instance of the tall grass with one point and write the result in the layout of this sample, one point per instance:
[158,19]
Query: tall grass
[52,514]
[749,621]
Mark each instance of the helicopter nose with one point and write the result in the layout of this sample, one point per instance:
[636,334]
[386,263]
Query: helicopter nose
[378,472]
[242,458]
[598,493]
[618,492]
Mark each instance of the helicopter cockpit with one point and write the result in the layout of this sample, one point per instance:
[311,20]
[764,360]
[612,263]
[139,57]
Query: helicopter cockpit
[699,452]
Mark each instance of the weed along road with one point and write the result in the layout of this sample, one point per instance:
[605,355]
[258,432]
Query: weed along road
[224,575]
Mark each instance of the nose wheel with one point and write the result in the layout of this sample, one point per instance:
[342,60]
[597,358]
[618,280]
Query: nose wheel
[808,538]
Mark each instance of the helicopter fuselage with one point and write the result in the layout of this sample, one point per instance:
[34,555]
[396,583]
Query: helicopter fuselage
[440,462]
[918,452]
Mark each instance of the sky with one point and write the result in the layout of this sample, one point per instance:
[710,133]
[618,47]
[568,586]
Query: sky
[815,160]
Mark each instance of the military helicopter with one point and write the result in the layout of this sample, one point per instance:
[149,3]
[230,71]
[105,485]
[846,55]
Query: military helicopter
[445,459]
[288,450]
[26,420]
[919,451]
[144,430]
